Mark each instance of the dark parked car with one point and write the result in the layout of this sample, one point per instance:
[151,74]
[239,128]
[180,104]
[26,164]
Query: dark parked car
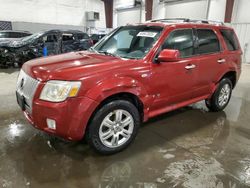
[8,35]
[40,44]
[97,37]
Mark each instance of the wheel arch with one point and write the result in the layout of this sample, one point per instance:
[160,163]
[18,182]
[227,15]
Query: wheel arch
[231,75]
[128,96]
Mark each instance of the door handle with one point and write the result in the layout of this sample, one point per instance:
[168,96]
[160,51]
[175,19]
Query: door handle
[192,66]
[221,60]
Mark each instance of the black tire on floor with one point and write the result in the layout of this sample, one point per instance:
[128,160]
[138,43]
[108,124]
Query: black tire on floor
[213,103]
[93,130]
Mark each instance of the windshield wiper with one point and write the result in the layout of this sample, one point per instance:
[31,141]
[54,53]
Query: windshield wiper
[93,50]
[107,53]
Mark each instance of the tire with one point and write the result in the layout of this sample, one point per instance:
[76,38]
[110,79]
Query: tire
[219,101]
[108,132]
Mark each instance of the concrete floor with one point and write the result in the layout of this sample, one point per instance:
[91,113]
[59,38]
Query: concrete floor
[189,147]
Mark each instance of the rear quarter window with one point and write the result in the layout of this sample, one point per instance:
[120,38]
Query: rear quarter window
[230,39]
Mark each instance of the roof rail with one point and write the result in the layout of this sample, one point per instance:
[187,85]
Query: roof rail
[170,20]
[187,20]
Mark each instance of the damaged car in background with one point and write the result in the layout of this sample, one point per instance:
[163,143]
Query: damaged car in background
[52,42]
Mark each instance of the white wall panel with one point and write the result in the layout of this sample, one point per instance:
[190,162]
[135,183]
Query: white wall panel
[241,13]
[217,10]
[128,17]
[158,10]
[67,12]
[243,33]
[195,9]
[190,9]
[123,15]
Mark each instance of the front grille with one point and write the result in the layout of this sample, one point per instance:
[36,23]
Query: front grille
[26,87]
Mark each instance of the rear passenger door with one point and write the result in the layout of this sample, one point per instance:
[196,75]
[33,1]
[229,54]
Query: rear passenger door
[211,60]
[68,42]
[49,41]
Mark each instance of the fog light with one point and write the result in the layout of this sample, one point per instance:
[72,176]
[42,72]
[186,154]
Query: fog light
[51,123]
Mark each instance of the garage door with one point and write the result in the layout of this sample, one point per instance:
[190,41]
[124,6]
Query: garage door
[128,16]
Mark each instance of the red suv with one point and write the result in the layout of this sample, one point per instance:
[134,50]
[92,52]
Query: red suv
[134,73]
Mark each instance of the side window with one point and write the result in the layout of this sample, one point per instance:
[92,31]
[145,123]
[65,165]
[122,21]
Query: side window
[49,38]
[85,36]
[67,37]
[181,40]
[82,36]
[14,35]
[230,39]
[25,34]
[208,42]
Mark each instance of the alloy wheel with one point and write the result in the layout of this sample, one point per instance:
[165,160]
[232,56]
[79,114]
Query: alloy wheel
[116,128]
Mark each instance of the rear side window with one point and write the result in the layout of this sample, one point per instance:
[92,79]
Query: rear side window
[14,35]
[181,40]
[82,36]
[208,42]
[67,37]
[230,39]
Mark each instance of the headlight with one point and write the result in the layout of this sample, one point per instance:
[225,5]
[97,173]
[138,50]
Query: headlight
[5,51]
[58,91]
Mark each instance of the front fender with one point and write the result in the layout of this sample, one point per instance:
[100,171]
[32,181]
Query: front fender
[116,85]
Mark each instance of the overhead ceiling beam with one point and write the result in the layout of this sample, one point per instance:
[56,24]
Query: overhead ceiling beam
[229,11]
[148,7]
[108,5]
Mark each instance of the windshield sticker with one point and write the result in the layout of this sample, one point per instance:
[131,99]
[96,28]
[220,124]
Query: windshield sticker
[146,34]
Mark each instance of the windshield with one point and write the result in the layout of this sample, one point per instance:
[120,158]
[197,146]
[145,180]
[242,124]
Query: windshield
[31,38]
[132,42]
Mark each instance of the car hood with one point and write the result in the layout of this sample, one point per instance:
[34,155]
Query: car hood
[12,43]
[72,66]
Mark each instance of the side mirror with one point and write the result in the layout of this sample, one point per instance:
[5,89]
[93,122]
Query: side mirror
[168,55]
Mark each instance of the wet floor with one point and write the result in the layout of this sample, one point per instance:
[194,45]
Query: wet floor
[189,147]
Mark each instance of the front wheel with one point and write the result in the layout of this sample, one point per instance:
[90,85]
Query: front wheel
[113,127]
[221,96]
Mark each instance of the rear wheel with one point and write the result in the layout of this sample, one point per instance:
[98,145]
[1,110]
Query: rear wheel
[113,127]
[221,96]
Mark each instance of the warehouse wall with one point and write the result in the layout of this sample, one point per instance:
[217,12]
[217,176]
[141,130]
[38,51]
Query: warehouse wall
[64,12]
[36,27]
[192,9]
[124,16]
[241,13]
[195,9]
[217,10]
[241,24]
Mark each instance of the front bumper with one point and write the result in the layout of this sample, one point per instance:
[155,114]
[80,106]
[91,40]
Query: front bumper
[71,116]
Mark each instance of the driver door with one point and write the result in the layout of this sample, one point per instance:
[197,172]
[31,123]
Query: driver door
[173,82]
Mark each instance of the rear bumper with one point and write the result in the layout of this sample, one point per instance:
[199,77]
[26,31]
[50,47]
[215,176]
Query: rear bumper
[71,116]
